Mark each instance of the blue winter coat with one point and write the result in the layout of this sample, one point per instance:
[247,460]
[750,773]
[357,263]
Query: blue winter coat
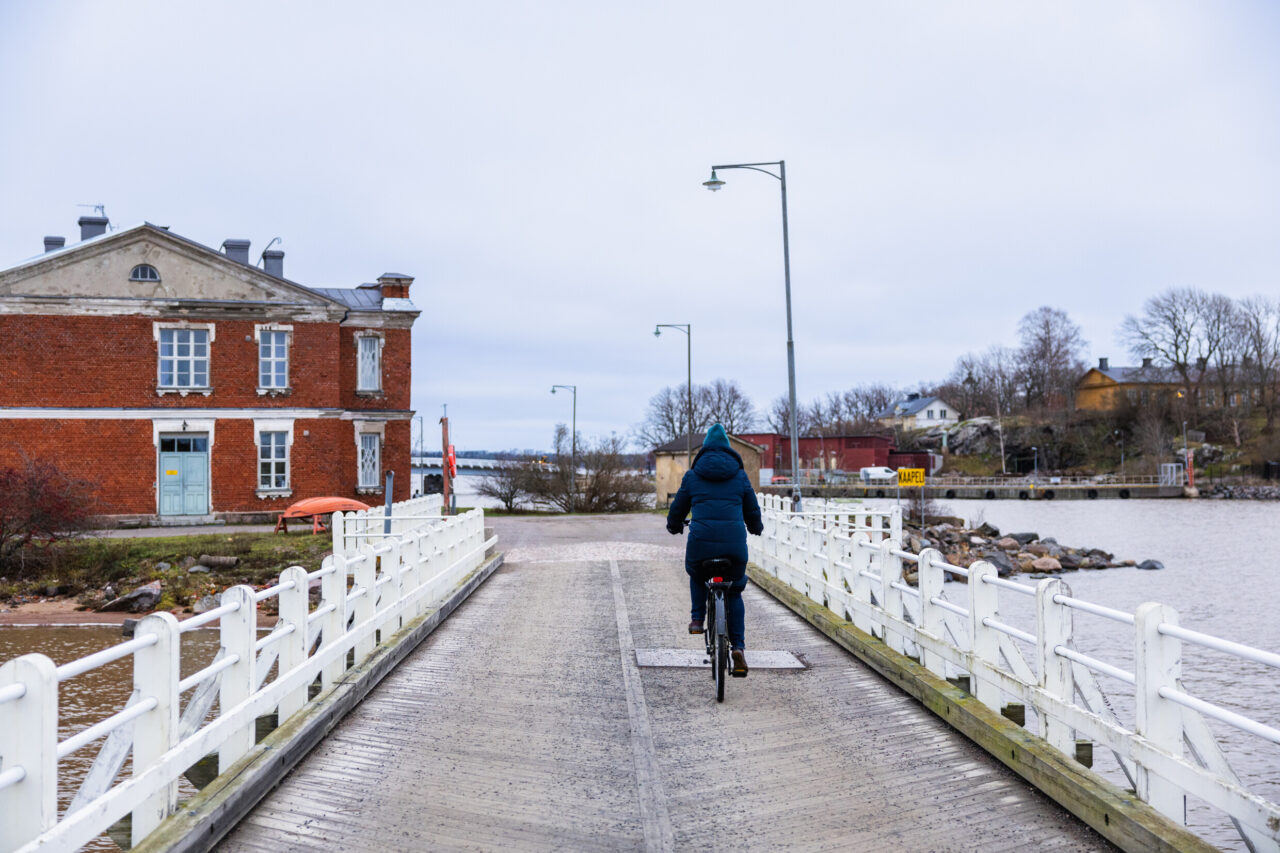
[724,508]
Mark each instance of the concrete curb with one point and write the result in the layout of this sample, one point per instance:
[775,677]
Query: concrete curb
[200,823]
[1116,814]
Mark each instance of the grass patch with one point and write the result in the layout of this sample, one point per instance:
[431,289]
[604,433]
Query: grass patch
[84,567]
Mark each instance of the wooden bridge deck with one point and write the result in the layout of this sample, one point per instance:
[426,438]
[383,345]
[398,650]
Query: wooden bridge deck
[524,723]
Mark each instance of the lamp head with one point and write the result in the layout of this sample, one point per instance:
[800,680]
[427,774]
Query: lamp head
[553,389]
[657,333]
[715,183]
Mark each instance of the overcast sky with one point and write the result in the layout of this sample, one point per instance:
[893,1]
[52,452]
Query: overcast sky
[537,167]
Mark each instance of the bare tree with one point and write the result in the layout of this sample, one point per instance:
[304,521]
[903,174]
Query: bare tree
[1182,327]
[605,481]
[1049,358]
[1260,362]
[40,504]
[779,417]
[728,405]
[511,482]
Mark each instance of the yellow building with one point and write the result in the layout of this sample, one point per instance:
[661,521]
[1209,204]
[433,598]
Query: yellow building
[1105,388]
[670,463]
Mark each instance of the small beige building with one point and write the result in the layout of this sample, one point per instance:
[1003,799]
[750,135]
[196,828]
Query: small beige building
[670,462]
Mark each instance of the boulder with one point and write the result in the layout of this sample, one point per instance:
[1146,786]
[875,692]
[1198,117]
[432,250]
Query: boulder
[188,562]
[163,567]
[988,530]
[1070,561]
[1150,565]
[141,600]
[977,540]
[198,569]
[1008,543]
[1026,562]
[205,604]
[1037,548]
[109,592]
[1024,538]
[1004,566]
[1046,564]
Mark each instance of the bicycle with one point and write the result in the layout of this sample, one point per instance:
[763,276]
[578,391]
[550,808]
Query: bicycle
[716,634]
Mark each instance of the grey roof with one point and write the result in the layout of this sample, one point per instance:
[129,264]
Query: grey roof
[907,408]
[1153,374]
[360,298]
[678,445]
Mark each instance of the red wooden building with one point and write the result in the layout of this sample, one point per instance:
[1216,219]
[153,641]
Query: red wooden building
[849,453]
[189,384]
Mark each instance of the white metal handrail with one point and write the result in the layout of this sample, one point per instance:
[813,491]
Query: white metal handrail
[416,569]
[1167,751]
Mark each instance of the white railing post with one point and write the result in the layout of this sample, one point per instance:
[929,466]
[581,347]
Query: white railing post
[29,740]
[293,647]
[929,580]
[895,523]
[239,633]
[984,641]
[1157,664]
[155,676]
[861,584]
[1053,629]
[337,528]
[366,575]
[833,593]
[333,590]
[890,596]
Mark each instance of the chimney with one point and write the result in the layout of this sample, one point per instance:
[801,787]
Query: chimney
[394,285]
[237,250]
[92,226]
[273,262]
[52,244]
[1103,364]
[1146,362]
[913,397]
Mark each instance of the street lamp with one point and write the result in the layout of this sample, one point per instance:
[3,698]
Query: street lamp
[688,331]
[1035,462]
[573,443]
[714,184]
[1120,433]
[421,434]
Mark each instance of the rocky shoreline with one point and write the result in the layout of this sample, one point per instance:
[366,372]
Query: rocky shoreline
[1243,493]
[1011,554]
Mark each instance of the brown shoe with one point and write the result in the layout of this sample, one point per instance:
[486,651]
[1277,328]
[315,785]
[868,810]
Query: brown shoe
[695,628]
[739,669]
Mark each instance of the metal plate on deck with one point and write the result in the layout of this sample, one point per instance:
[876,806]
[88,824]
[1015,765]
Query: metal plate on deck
[692,658]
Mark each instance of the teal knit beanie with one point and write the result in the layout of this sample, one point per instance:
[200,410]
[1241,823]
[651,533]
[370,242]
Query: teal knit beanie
[716,437]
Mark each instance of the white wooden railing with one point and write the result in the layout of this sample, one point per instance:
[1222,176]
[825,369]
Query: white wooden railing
[839,557]
[371,586]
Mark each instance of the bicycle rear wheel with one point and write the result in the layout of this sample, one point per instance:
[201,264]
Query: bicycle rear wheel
[721,661]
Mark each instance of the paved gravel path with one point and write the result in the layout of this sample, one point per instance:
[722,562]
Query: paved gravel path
[524,723]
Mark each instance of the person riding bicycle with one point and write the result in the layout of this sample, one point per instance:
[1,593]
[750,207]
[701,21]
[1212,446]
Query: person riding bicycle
[723,501]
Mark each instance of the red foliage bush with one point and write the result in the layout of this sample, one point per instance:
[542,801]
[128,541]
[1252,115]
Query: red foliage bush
[40,504]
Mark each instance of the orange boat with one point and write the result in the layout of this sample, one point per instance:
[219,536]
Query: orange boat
[313,508]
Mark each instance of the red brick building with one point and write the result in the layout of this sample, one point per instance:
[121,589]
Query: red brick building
[849,453]
[188,384]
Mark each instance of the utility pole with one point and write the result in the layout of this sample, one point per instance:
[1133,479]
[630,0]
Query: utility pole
[447,489]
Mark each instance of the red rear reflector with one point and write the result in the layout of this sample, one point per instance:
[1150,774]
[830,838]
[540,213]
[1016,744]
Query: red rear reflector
[717,580]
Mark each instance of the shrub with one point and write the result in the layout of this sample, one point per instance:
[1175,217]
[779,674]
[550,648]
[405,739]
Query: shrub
[40,504]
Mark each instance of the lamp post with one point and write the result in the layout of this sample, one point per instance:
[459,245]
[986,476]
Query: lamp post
[688,332]
[421,433]
[1120,433]
[715,184]
[573,443]
[1186,455]
[1035,462]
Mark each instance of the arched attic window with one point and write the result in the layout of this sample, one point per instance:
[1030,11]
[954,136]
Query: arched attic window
[144,272]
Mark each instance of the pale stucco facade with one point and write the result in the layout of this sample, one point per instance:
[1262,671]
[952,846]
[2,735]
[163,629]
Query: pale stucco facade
[670,467]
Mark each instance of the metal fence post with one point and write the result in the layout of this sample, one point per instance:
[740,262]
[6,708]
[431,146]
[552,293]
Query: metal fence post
[984,641]
[29,745]
[1053,629]
[155,675]
[239,632]
[890,596]
[929,580]
[1157,664]
[293,647]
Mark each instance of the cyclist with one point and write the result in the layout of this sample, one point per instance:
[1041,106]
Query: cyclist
[724,507]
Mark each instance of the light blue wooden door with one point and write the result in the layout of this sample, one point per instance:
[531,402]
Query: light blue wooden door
[184,475]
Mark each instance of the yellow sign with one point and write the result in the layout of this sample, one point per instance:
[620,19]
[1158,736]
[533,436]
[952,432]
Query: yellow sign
[910,476]
[171,473]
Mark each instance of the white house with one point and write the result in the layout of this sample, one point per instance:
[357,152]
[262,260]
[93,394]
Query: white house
[919,412]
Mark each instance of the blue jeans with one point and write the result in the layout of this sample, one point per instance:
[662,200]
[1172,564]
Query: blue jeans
[735,612]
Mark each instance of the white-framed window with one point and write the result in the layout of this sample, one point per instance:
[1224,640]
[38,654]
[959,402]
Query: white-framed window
[183,357]
[369,362]
[370,460]
[273,357]
[274,440]
[144,272]
[929,415]
[942,413]
[273,461]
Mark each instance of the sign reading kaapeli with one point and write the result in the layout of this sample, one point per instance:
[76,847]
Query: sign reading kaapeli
[910,476]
